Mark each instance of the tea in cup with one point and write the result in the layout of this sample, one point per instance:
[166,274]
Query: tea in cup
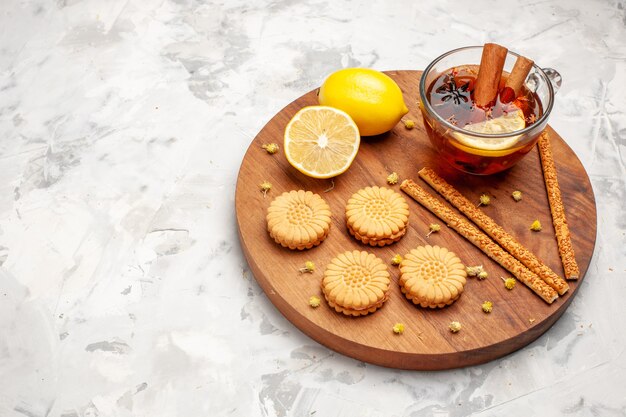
[484,118]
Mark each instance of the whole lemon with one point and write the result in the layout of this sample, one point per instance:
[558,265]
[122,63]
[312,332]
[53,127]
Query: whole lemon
[372,99]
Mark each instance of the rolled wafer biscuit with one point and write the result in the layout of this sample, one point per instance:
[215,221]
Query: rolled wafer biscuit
[481,241]
[563,236]
[495,231]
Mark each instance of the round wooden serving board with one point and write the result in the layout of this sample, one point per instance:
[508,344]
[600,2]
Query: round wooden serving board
[519,316]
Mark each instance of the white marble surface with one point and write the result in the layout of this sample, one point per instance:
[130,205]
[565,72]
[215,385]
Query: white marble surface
[123,288]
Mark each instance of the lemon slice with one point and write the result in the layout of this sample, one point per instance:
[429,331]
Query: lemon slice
[481,152]
[510,122]
[321,141]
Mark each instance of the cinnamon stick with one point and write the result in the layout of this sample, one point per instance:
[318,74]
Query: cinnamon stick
[489,73]
[518,74]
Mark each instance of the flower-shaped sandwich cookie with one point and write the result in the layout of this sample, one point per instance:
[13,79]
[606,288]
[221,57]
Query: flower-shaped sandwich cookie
[432,276]
[298,219]
[356,283]
[377,216]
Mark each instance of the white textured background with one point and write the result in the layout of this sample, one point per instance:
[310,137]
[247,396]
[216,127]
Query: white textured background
[123,289]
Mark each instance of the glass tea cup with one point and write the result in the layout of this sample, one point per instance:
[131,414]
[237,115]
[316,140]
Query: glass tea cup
[485,153]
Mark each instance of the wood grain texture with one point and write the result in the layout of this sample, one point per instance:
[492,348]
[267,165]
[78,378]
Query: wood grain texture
[518,316]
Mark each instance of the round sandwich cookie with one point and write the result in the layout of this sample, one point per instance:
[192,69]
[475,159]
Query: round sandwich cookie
[298,219]
[377,216]
[432,276]
[356,283]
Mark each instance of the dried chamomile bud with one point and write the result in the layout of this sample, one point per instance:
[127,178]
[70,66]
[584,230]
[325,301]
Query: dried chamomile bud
[265,186]
[473,271]
[487,306]
[536,226]
[455,326]
[271,148]
[434,228]
[517,195]
[484,200]
[392,178]
[396,260]
[509,283]
[482,275]
[314,301]
[309,267]
[398,328]
[409,124]
[331,187]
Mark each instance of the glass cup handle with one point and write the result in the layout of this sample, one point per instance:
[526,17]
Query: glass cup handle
[554,77]
[533,80]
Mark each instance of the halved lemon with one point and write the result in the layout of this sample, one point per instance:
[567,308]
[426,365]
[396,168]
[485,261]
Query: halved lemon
[510,122]
[321,141]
